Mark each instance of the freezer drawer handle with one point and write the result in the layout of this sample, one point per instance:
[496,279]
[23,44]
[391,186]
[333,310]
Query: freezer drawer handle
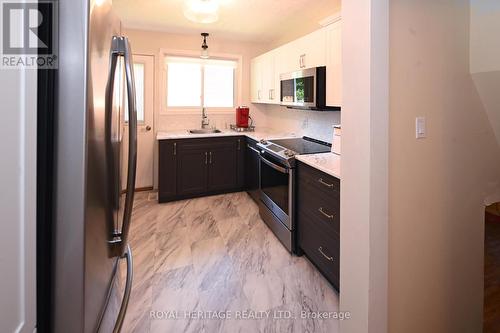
[320,249]
[128,288]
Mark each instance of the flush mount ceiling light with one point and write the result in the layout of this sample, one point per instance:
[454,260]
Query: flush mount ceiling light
[204,46]
[202,11]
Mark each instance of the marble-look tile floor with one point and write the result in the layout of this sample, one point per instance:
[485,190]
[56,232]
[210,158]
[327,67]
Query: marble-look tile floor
[214,256]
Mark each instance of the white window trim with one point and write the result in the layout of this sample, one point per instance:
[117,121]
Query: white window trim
[238,76]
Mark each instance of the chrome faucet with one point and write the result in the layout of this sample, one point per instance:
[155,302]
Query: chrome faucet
[204,119]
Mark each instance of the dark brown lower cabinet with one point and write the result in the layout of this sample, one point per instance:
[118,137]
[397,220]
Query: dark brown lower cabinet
[191,168]
[223,166]
[318,220]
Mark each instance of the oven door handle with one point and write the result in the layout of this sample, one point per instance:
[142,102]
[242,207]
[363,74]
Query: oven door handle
[274,166]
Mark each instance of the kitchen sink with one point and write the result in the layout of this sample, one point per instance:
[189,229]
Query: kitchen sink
[204,131]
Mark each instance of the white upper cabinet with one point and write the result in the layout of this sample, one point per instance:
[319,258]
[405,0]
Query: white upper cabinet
[319,48]
[333,36]
[256,80]
[312,50]
[264,82]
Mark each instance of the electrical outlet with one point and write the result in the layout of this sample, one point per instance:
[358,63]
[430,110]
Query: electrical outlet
[420,128]
[305,123]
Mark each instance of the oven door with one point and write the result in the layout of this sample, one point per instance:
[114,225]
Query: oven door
[276,185]
[299,88]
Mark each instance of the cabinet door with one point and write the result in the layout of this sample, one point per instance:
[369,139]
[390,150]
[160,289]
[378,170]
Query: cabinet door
[256,80]
[288,57]
[167,170]
[192,164]
[312,49]
[252,175]
[223,166]
[333,44]
[269,78]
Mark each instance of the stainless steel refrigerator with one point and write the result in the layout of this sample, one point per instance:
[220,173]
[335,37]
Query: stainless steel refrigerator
[92,208]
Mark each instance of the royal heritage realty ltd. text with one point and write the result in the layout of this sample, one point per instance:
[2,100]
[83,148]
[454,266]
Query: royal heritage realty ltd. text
[248,315]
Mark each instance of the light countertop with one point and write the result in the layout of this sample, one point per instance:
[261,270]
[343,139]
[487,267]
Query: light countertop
[259,134]
[327,162]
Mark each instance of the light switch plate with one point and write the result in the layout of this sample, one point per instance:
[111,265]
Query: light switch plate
[420,128]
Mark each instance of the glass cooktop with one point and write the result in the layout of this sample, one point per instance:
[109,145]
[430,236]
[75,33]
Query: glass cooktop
[303,145]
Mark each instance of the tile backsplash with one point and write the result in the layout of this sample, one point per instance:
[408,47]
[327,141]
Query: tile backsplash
[314,124]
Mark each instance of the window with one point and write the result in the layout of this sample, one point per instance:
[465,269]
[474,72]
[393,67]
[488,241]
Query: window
[193,83]
[139,93]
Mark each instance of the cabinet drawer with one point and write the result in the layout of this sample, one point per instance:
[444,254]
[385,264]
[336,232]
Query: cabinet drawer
[327,184]
[322,249]
[318,208]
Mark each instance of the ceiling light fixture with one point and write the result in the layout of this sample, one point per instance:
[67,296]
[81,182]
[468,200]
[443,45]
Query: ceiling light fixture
[202,11]
[204,46]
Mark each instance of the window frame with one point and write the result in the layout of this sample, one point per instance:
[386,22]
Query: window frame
[165,110]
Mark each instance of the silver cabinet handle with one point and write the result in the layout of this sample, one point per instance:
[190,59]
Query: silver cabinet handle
[175,148]
[206,158]
[320,249]
[271,94]
[258,94]
[210,158]
[128,289]
[325,214]
[325,183]
[239,144]
[120,47]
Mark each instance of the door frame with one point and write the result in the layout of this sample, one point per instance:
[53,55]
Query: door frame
[153,118]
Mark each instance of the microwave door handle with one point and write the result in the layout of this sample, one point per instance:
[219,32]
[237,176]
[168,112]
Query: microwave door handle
[274,166]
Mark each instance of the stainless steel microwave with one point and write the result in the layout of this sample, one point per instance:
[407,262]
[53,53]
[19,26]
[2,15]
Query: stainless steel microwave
[305,89]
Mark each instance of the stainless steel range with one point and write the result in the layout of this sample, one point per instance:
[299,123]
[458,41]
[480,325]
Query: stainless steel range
[277,183]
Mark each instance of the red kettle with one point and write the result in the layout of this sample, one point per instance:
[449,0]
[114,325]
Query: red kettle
[242,116]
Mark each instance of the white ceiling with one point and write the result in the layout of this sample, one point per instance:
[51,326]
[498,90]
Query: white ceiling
[246,20]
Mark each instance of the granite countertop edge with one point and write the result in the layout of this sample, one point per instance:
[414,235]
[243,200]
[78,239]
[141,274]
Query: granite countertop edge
[328,163]
[257,135]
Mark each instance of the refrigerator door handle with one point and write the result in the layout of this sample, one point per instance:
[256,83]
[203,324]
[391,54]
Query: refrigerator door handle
[120,46]
[128,288]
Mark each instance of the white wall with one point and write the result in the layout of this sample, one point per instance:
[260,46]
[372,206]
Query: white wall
[364,184]
[438,185]
[485,56]
[484,41]
[18,201]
